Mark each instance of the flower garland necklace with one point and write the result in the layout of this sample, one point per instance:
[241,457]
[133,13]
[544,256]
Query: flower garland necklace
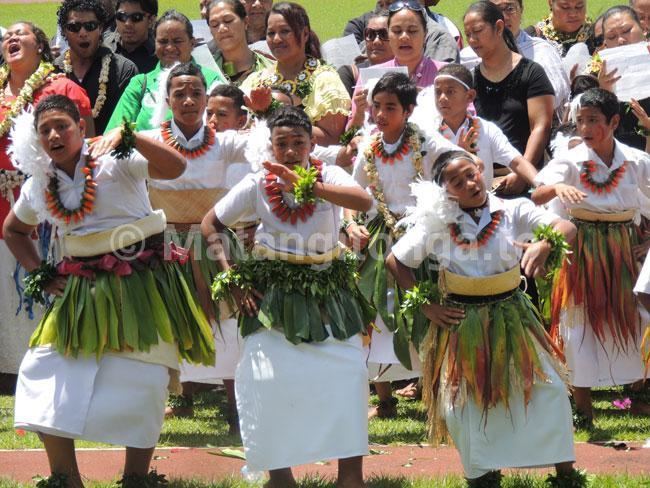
[379,150]
[279,206]
[170,140]
[549,32]
[103,80]
[614,177]
[481,238]
[414,142]
[301,85]
[26,95]
[87,203]
[472,122]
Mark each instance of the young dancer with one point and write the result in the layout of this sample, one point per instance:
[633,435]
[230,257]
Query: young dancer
[301,381]
[491,376]
[595,315]
[106,352]
[388,162]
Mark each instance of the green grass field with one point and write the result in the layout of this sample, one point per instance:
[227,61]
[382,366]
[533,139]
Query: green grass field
[328,17]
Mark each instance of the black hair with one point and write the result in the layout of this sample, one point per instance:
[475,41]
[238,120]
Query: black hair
[232,92]
[149,6]
[237,7]
[185,69]
[490,13]
[603,100]
[582,83]
[380,14]
[593,41]
[421,13]
[41,38]
[296,16]
[60,103]
[174,15]
[444,160]
[620,9]
[287,116]
[457,71]
[68,6]
[401,86]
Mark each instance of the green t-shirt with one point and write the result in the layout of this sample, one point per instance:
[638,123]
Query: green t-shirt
[140,98]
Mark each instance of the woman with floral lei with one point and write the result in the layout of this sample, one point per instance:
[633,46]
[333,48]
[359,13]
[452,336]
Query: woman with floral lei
[388,162]
[26,78]
[122,313]
[301,381]
[566,24]
[595,315]
[300,70]
[215,162]
[492,379]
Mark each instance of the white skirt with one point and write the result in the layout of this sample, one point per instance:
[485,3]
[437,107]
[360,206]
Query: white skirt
[383,364]
[228,346]
[15,330]
[116,400]
[541,435]
[300,404]
[592,364]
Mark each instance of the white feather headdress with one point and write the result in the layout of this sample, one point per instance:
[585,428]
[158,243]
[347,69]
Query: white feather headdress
[433,210]
[28,156]
[258,148]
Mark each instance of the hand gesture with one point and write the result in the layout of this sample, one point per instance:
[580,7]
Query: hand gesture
[607,80]
[106,143]
[533,261]
[640,113]
[56,286]
[569,194]
[358,236]
[468,138]
[259,100]
[443,316]
[245,300]
[512,184]
[288,176]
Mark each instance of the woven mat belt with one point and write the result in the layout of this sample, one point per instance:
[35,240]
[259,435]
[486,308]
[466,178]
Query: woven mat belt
[112,240]
[497,284]
[185,206]
[261,251]
[589,216]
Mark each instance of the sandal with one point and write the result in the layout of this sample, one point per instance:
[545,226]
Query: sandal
[53,481]
[150,480]
[488,480]
[575,479]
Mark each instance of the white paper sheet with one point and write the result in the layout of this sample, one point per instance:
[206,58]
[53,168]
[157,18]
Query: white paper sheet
[633,64]
[340,51]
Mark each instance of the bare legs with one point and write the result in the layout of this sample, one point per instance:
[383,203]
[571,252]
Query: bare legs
[350,475]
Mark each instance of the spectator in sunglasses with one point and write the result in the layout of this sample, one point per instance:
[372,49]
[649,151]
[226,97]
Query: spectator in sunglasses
[134,37]
[378,50]
[439,44]
[99,71]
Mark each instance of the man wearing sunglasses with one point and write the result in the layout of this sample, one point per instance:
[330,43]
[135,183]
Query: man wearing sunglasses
[438,44]
[102,73]
[134,38]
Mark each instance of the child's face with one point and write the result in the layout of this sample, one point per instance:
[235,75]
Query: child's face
[594,129]
[291,146]
[187,100]
[464,183]
[222,114]
[452,98]
[388,113]
[60,136]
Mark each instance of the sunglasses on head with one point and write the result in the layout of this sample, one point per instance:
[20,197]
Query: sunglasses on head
[135,17]
[372,34]
[409,4]
[76,26]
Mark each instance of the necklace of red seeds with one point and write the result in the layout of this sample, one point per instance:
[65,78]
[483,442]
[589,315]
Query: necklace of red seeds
[87,203]
[482,237]
[472,122]
[280,208]
[588,168]
[170,140]
[402,150]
